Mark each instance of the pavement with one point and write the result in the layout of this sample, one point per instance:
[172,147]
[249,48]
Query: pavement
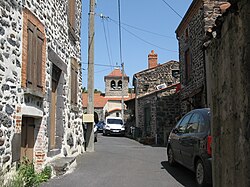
[122,162]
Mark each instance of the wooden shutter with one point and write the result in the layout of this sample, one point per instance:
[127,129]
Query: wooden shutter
[35,52]
[74,82]
[31,55]
[71,15]
[39,49]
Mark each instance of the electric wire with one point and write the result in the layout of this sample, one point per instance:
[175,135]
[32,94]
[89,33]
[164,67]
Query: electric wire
[102,65]
[144,30]
[146,40]
[120,32]
[172,8]
[107,45]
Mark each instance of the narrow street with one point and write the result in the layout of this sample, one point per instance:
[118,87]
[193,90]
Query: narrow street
[119,161]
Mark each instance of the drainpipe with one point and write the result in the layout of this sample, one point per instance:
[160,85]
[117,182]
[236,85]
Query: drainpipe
[136,102]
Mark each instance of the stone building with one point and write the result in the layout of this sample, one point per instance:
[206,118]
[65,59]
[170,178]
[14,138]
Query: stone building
[40,80]
[228,67]
[156,101]
[191,35]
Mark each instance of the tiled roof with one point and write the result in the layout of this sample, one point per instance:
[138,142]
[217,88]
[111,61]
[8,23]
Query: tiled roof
[116,73]
[100,100]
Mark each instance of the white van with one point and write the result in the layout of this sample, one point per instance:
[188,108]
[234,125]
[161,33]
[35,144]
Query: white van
[114,125]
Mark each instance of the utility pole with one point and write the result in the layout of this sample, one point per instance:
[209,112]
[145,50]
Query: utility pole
[90,107]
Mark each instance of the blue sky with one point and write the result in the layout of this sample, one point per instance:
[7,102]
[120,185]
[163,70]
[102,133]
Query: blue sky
[137,17]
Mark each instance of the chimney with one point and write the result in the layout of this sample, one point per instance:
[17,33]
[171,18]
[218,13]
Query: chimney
[152,59]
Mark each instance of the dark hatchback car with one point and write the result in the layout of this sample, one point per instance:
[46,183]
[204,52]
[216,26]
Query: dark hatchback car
[189,144]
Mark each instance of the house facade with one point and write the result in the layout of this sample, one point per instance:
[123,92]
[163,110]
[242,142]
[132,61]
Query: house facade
[156,101]
[191,35]
[40,106]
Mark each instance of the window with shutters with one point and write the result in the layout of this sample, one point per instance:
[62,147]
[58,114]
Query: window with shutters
[72,18]
[33,55]
[34,65]
[74,81]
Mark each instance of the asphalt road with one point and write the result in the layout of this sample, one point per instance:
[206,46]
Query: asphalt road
[122,162]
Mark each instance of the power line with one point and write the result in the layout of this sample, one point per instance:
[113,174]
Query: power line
[107,45]
[146,40]
[120,32]
[144,30]
[98,71]
[172,8]
[101,65]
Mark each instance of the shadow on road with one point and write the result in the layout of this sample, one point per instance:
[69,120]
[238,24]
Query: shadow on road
[181,174]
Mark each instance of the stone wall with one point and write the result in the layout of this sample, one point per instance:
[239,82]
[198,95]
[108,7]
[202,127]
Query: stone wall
[147,80]
[16,103]
[10,79]
[227,60]
[110,92]
[191,34]
[164,107]
[168,111]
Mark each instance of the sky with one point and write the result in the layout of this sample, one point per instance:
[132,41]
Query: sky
[145,25]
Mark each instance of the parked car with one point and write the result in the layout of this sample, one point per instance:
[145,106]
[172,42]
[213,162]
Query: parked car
[114,125]
[100,125]
[189,144]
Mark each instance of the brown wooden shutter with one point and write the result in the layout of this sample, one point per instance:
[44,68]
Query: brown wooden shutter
[31,54]
[39,48]
[72,84]
[76,84]
[71,15]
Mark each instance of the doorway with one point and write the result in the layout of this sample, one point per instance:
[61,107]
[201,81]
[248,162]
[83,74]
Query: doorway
[27,138]
[56,72]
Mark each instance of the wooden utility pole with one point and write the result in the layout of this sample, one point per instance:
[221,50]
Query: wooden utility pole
[90,107]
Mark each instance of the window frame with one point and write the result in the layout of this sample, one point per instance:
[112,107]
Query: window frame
[74,86]
[188,66]
[33,55]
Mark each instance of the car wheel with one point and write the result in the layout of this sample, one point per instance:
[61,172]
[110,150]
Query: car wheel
[200,174]
[171,160]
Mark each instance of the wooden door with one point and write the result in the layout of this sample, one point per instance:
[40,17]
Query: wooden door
[27,138]
[53,115]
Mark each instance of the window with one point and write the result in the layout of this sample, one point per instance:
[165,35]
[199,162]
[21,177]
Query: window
[113,84]
[183,124]
[72,19]
[71,14]
[145,87]
[74,81]
[186,35]
[119,84]
[193,124]
[187,65]
[35,62]
[176,73]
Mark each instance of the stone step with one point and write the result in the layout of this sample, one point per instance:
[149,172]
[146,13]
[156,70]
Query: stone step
[62,164]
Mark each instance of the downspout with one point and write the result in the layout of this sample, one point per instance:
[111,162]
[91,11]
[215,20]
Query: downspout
[136,102]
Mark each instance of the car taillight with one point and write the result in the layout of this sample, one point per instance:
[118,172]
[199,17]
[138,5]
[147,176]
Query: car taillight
[209,145]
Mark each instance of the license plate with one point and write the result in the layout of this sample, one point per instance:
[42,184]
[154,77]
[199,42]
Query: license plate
[116,131]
